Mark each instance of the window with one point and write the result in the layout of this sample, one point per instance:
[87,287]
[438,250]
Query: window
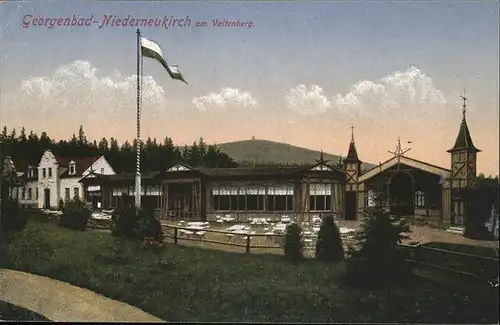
[225,198]
[30,172]
[255,195]
[50,172]
[77,193]
[44,173]
[36,191]
[23,195]
[72,169]
[66,194]
[320,197]
[280,198]
[30,194]
[419,199]
[102,170]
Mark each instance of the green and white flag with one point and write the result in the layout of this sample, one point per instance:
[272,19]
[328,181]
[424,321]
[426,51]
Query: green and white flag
[152,50]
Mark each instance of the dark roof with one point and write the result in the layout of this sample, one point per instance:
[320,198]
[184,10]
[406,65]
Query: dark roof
[251,171]
[216,172]
[81,165]
[122,177]
[464,140]
[352,154]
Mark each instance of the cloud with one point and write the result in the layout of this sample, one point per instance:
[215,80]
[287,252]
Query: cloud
[226,97]
[409,93]
[85,91]
[307,102]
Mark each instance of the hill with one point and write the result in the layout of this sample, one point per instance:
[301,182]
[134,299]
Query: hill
[270,152]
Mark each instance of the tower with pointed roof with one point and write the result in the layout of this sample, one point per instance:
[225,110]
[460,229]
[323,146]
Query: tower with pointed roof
[352,165]
[352,169]
[463,169]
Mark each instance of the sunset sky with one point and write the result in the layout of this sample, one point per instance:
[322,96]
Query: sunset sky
[302,74]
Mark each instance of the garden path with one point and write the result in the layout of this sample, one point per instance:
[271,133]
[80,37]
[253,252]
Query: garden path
[63,302]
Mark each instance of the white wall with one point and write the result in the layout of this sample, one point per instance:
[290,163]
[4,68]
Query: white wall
[101,164]
[48,161]
[27,200]
[71,183]
[58,185]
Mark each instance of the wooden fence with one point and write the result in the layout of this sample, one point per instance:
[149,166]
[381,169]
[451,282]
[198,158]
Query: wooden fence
[480,267]
[247,238]
[476,266]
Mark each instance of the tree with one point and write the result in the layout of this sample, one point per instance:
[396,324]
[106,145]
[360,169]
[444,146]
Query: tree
[27,151]
[378,258]
[82,138]
[329,246]
[293,243]
[103,145]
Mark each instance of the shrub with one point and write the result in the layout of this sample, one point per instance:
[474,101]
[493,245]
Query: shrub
[148,226]
[124,222]
[76,215]
[294,245]
[13,217]
[329,246]
[61,205]
[378,258]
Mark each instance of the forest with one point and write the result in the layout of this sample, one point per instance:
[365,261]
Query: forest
[26,148]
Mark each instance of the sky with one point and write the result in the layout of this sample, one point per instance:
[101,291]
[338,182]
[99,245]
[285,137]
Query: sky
[300,73]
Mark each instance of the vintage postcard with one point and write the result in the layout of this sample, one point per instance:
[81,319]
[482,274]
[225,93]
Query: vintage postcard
[249,161]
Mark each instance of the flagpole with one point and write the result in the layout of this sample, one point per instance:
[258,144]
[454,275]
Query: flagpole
[138,161]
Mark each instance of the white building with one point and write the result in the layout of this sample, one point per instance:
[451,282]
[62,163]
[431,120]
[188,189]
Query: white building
[58,178]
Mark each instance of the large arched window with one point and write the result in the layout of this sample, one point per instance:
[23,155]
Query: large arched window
[419,199]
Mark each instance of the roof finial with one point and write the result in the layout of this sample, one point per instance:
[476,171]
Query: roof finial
[464,105]
[352,133]
[321,160]
[399,150]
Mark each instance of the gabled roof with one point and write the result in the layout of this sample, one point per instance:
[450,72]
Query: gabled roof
[436,170]
[81,165]
[180,168]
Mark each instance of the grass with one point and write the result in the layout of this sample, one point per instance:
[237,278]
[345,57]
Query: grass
[467,249]
[194,284]
[10,312]
[271,152]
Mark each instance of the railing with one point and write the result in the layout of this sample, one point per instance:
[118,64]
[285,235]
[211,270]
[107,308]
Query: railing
[248,237]
[475,266]
[175,235]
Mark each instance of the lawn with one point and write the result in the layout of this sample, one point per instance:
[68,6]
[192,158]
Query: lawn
[194,284]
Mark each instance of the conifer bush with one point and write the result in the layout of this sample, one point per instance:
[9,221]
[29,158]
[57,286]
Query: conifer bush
[132,223]
[76,214]
[124,222]
[294,245]
[329,246]
[148,226]
[378,258]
